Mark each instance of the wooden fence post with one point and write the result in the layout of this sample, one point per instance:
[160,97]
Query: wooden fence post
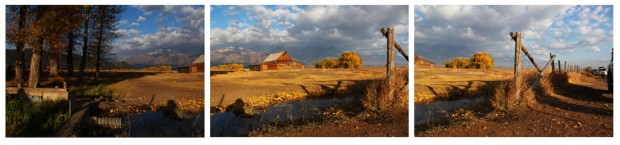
[565,66]
[552,63]
[559,67]
[517,65]
[390,60]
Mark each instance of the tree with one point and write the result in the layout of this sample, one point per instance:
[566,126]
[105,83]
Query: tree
[460,63]
[16,34]
[327,63]
[86,10]
[61,20]
[106,18]
[481,60]
[37,33]
[349,60]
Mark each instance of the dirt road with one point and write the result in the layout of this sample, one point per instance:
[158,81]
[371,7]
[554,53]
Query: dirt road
[581,107]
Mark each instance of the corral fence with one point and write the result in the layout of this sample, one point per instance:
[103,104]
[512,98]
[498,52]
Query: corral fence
[568,68]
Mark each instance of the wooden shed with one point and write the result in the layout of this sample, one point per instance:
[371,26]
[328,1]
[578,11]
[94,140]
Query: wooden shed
[198,66]
[278,61]
[422,63]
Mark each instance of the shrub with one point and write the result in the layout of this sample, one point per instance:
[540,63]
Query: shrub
[327,63]
[457,63]
[481,60]
[349,60]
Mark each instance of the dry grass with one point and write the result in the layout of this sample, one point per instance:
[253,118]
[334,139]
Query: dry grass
[377,97]
[449,84]
[504,98]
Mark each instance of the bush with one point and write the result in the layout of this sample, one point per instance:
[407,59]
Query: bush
[349,60]
[233,67]
[481,60]
[162,68]
[457,63]
[327,63]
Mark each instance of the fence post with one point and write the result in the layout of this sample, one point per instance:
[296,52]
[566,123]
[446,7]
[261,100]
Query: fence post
[559,67]
[517,65]
[390,60]
[565,66]
[552,63]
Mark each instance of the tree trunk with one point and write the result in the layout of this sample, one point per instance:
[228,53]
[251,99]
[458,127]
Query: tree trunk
[84,48]
[19,61]
[98,60]
[35,63]
[70,54]
[53,64]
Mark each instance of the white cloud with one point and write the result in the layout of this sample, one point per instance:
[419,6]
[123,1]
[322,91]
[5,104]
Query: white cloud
[134,24]
[125,32]
[140,19]
[123,22]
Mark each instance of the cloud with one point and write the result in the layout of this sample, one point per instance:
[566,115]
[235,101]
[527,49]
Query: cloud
[445,32]
[140,19]
[125,32]
[186,35]
[329,28]
[134,24]
[123,22]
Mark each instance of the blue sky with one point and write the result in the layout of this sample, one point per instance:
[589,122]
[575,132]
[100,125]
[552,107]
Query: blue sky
[314,28]
[581,35]
[151,27]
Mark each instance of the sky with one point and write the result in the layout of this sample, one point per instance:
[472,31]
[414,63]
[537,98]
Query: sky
[151,27]
[322,28]
[581,35]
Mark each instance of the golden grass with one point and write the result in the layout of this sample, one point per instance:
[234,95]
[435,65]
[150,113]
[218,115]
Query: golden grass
[377,97]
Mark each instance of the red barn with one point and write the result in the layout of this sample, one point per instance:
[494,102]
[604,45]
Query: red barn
[198,66]
[278,61]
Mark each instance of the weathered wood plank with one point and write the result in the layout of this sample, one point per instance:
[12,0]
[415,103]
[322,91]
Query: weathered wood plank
[400,49]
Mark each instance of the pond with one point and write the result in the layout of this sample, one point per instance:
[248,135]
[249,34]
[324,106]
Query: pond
[227,124]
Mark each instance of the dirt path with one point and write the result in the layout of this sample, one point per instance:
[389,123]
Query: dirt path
[579,108]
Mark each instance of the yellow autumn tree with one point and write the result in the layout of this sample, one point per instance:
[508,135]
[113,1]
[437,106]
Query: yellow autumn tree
[349,60]
[458,63]
[481,60]
[327,63]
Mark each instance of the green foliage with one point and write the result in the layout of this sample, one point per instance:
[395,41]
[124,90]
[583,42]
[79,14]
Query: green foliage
[481,60]
[327,63]
[26,119]
[349,60]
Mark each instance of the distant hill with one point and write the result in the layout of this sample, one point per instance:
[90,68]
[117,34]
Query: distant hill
[161,57]
[236,55]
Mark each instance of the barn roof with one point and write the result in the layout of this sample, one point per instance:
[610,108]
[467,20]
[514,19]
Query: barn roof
[273,56]
[200,59]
